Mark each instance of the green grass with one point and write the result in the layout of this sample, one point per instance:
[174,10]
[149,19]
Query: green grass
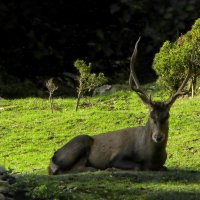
[115,185]
[30,133]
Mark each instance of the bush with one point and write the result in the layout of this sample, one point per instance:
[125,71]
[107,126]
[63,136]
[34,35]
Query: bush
[171,63]
[87,81]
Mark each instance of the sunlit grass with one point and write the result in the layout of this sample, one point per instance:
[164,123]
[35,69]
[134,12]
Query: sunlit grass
[30,133]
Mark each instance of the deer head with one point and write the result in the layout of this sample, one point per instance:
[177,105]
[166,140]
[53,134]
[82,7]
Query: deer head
[158,111]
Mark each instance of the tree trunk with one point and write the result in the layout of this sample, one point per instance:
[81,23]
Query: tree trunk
[51,102]
[78,100]
[194,81]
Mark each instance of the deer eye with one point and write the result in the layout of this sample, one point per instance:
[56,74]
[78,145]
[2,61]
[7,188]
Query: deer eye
[154,120]
[152,115]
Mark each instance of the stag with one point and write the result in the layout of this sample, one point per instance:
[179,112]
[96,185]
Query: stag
[136,148]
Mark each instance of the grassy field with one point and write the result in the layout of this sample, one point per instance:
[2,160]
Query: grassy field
[30,133]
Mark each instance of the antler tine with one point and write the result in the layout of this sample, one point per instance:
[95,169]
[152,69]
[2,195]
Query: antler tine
[179,91]
[134,78]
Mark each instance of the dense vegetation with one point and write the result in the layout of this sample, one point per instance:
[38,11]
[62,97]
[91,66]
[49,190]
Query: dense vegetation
[30,133]
[42,39]
[172,62]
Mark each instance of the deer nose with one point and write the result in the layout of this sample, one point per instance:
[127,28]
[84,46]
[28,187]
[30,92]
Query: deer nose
[159,138]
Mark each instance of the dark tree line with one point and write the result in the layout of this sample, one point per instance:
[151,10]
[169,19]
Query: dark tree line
[42,39]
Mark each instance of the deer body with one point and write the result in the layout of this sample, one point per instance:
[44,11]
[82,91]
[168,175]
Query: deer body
[115,149]
[136,148]
[131,148]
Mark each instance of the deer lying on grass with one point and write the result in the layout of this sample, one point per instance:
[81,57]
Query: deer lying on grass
[136,148]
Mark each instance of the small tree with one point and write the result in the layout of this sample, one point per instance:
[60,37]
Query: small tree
[87,81]
[171,63]
[51,89]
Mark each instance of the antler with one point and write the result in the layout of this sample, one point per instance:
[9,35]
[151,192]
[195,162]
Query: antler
[133,78]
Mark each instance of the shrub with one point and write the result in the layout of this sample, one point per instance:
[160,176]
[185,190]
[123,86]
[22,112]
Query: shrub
[171,63]
[51,89]
[87,81]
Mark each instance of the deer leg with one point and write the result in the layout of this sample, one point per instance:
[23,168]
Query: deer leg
[82,165]
[72,154]
[126,164]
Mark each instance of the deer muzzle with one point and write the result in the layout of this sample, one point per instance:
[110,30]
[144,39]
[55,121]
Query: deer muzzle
[158,137]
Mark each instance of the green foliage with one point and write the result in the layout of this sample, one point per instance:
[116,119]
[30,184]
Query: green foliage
[87,81]
[171,63]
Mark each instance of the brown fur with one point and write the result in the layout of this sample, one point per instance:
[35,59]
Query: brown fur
[131,148]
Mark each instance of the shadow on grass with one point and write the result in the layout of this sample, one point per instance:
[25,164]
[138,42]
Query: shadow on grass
[117,184]
[175,195]
[173,175]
